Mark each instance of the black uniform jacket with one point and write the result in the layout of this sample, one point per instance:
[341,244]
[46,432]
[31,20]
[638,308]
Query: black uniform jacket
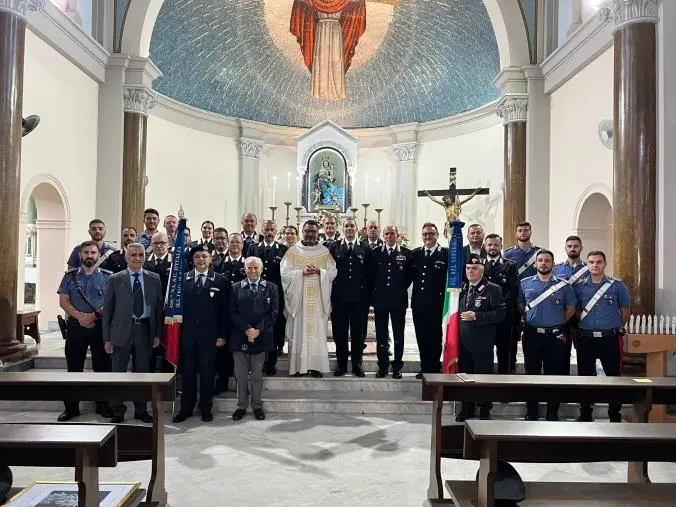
[354,281]
[487,303]
[233,270]
[160,266]
[429,278]
[391,277]
[505,274]
[271,257]
[205,309]
[249,311]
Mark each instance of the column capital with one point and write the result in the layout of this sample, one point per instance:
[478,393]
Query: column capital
[405,152]
[513,108]
[20,7]
[138,100]
[628,12]
[250,148]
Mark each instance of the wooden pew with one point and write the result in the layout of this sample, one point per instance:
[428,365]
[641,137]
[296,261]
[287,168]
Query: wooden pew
[85,447]
[134,442]
[556,442]
[447,440]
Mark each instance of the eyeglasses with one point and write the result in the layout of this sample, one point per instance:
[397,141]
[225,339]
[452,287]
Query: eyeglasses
[160,242]
[429,234]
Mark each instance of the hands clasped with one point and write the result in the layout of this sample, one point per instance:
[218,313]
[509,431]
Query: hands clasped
[310,269]
[252,334]
[468,316]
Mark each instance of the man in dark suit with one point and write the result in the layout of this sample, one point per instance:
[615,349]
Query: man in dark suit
[390,299]
[132,322]
[481,309]
[249,235]
[429,267]
[220,252]
[503,273]
[253,310]
[475,240]
[271,253]
[204,329]
[350,293]
[116,261]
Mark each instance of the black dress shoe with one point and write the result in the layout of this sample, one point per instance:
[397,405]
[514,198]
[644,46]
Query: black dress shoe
[270,372]
[67,416]
[207,416]
[358,371]
[117,419]
[615,418]
[259,414]
[463,416]
[339,372]
[238,414]
[104,411]
[145,417]
[315,373]
[419,375]
[381,374]
[397,374]
[180,417]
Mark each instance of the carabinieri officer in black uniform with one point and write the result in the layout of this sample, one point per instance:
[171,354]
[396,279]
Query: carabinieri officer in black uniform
[204,329]
[350,293]
[603,306]
[481,309]
[547,303]
[81,295]
[271,253]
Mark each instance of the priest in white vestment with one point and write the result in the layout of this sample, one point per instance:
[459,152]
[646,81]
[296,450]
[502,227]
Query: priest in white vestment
[308,270]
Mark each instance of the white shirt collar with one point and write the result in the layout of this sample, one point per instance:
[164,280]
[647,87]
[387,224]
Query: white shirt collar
[233,259]
[198,273]
[489,258]
[433,249]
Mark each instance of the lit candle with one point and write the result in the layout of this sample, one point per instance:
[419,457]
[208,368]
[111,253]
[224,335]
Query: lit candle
[366,189]
[288,182]
[274,187]
[377,190]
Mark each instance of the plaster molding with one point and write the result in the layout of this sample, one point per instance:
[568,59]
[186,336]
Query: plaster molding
[138,100]
[53,224]
[623,13]
[21,7]
[38,179]
[250,148]
[405,152]
[513,108]
[596,188]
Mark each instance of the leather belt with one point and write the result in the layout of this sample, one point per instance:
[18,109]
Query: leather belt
[605,333]
[134,320]
[74,322]
[544,330]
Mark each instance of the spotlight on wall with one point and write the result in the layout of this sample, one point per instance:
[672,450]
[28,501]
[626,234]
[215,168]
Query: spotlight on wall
[29,124]
[606,133]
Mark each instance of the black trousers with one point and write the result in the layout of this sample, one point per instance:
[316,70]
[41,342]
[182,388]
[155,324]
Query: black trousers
[609,351]
[158,361]
[474,361]
[348,318]
[78,341]
[427,324]
[224,367]
[382,317]
[197,356]
[570,329]
[543,355]
[279,332]
[505,344]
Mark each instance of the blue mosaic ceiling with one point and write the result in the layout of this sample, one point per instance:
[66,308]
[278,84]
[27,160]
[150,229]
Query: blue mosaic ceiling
[414,60]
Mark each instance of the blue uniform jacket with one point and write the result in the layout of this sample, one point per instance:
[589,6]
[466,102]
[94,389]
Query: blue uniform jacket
[606,311]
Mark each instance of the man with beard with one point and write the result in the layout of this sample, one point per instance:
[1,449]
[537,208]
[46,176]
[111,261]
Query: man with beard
[220,252]
[350,296]
[502,272]
[205,326]
[547,303]
[171,227]
[603,305]
[574,270]
[307,273]
[81,295]
[271,253]
[97,231]
[429,266]
[207,238]
[330,224]
[116,261]
[151,219]
[249,236]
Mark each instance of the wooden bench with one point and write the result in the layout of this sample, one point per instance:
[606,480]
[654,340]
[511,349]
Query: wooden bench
[560,442]
[134,443]
[27,324]
[447,440]
[85,447]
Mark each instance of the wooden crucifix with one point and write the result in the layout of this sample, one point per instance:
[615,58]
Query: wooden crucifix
[449,200]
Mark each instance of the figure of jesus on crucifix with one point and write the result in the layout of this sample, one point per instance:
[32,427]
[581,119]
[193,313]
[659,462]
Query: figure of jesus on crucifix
[450,202]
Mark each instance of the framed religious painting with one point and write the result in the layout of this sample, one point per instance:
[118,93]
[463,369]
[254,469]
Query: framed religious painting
[327,184]
[65,494]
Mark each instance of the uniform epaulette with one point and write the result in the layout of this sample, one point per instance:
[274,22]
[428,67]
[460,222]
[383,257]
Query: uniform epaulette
[106,271]
[262,282]
[72,270]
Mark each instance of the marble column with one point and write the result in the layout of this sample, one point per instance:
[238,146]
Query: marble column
[251,191]
[635,140]
[137,102]
[402,207]
[514,112]
[12,46]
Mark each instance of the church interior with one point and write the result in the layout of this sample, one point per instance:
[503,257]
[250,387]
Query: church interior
[558,110]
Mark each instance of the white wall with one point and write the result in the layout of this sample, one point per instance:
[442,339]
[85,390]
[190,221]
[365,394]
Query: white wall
[479,160]
[194,169]
[580,164]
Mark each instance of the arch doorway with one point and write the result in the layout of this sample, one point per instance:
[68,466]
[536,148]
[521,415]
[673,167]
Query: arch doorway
[595,226]
[45,224]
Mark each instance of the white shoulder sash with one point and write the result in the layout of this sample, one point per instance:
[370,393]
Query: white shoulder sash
[595,299]
[545,295]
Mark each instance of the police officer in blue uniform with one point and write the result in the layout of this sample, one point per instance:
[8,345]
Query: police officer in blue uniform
[391,279]
[429,267]
[523,254]
[603,305]
[574,270]
[204,330]
[81,295]
[481,309]
[547,303]
[271,253]
[350,293]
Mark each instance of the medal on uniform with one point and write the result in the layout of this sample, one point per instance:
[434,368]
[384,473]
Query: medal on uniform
[477,303]
[245,347]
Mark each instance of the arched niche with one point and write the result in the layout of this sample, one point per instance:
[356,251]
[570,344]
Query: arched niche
[595,226]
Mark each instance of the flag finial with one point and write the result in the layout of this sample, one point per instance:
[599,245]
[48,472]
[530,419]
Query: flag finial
[181,213]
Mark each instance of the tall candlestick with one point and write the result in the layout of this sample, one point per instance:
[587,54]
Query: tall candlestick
[287,204]
[354,212]
[298,208]
[273,208]
[365,205]
[379,211]
[274,188]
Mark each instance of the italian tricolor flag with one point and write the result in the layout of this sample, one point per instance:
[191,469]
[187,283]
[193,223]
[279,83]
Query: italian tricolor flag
[450,317]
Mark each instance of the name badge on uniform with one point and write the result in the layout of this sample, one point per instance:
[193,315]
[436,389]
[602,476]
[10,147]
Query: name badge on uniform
[268,300]
[213,290]
[477,303]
